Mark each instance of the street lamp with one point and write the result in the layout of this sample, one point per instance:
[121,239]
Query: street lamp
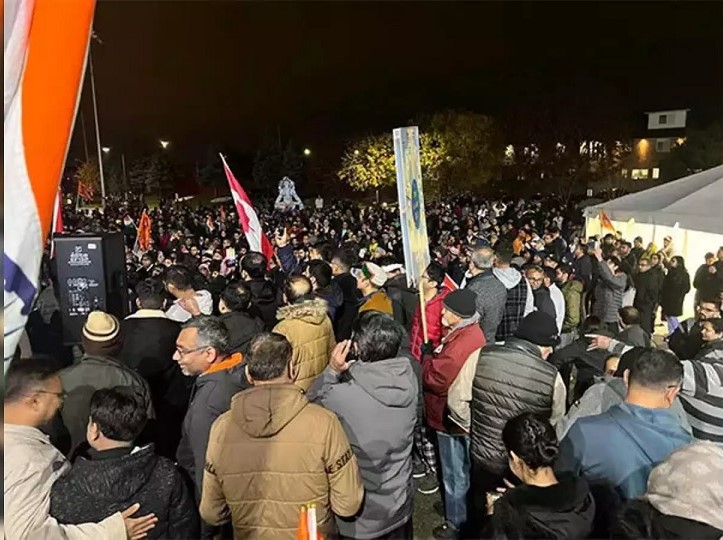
[106,149]
[164,144]
[307,152]
[356,152]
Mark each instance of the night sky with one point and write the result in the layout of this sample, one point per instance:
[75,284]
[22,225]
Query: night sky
[205,72]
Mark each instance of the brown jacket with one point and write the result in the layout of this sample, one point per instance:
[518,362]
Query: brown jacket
[309,330]
[272,452]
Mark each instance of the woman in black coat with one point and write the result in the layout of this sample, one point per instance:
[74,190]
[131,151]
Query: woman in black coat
[675,286]
[544,505]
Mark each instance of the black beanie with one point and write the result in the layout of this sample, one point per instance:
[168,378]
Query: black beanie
[461,302]
[538,328]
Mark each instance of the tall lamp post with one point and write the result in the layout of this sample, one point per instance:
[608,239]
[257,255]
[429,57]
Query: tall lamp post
[97,128]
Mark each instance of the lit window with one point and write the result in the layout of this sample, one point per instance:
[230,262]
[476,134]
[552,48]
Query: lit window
[663,119]
[639,174]
[624,173]
[656,173]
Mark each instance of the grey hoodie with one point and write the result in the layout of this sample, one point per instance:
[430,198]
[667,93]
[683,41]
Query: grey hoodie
[377,406]
[605,393]
[510,277]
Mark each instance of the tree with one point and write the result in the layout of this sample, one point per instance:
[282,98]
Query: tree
[138,174]
[160,178]
[210,173]
[465,148]
[268,164]
[292,163]
[458,151]
[701,149]
[89,174]
[369,163]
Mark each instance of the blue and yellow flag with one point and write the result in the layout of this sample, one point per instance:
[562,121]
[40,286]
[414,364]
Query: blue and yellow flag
[411,203]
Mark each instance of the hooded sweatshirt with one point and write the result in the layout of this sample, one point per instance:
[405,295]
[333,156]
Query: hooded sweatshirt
[562,510]
[520,301]
[621,446]
[271,453]
[606,392]
[366,393]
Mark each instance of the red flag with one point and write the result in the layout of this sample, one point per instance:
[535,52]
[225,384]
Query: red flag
[605,221]
[85,191]
[57,226]
[449,283]
[247,216]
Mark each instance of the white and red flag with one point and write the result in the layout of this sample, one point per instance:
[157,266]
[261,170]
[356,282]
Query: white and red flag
[247,216]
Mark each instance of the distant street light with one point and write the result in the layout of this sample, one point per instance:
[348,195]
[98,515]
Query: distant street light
[164,144]
[307,152]
[356,152]
[106,149]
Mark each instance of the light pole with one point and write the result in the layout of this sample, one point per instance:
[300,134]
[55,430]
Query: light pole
[97,128]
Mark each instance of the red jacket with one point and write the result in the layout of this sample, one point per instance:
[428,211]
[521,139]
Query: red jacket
[440,371]
[435,330]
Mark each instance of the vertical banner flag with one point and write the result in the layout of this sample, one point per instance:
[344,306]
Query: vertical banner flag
[144,232]
[411,203]
[605,222]
[57,226]
[45,50]
[247,216]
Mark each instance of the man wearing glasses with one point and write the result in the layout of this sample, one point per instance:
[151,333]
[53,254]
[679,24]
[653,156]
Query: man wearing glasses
[33,395]
[203,351]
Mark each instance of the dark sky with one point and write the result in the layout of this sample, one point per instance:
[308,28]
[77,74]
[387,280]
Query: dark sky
[204,72]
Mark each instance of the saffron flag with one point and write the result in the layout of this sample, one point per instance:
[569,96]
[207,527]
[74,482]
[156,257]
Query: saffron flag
[605,222]
[143,237]
[247,216]
[57,221]
[41,91]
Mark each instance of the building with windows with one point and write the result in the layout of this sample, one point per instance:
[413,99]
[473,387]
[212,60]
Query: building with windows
[665,130]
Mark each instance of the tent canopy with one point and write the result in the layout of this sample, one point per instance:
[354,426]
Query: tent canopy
[694,203]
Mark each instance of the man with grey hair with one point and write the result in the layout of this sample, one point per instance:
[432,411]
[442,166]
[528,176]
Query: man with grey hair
[202,351]
[491,293]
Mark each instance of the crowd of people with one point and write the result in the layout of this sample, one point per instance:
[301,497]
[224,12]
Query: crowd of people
[540,397]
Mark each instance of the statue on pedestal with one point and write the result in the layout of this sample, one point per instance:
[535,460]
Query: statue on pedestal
[287,199]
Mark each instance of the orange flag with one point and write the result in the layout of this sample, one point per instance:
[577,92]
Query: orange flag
[302,531]
[605,221]
[144,232]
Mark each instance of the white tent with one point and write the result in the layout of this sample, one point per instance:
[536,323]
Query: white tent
[690,210]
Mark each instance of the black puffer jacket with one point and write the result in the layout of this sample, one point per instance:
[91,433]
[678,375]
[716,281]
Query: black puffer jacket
[510,379]
[563,510]
[242,328]
[265,299]
[404,300]
[103,483]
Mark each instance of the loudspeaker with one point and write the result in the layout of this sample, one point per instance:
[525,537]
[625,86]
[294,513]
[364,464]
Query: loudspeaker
[91,276]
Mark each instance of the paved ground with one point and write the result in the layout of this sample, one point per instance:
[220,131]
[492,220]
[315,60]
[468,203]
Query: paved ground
[425,518]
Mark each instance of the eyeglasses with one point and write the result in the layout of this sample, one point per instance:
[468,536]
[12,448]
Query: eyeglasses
[184,352]
[60,395]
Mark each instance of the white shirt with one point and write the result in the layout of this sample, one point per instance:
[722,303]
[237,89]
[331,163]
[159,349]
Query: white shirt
[559,300]
[205,304]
